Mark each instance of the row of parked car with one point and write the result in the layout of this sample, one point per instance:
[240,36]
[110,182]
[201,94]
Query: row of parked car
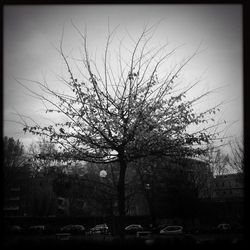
[71,228]
[98,229]
[177,229]
[162,229]
[80,229]
[104,229]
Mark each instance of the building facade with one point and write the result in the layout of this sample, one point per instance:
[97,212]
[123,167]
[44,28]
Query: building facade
[228,187]
[228,197]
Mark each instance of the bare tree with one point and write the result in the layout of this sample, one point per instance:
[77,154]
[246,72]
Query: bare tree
[16,171]
[217,160]
[236,160]
[124,110]
[41,155]
[15,162]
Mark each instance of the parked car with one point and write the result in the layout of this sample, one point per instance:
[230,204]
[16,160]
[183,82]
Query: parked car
[37,229]
[14,229]
[158,228]
[172,230]
[73,229]
[133,228]
[99,229]
[223,227]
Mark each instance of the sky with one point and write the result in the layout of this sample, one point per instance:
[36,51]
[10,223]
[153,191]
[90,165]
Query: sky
[31,33]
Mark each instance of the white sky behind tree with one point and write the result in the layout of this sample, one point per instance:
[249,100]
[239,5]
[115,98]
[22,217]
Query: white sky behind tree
[31,32]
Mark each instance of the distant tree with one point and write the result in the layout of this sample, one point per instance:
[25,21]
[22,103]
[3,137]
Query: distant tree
[199,173]
[218,161]
[16,172]
[101,190]
[13,152]
[41,155]
[126,108]
[15,162]
[42,199]
[236,160]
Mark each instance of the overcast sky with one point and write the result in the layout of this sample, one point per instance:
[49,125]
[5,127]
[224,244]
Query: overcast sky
[31,32]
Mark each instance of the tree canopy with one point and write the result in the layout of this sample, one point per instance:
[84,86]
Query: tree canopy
[136,111]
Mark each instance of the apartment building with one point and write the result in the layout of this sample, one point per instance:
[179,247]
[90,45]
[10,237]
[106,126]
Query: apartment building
[228,187]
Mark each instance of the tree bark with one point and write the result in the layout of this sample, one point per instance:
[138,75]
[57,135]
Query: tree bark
[121,197]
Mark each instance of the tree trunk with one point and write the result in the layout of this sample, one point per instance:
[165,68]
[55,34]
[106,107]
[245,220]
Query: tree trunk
[151,207]
[121,197]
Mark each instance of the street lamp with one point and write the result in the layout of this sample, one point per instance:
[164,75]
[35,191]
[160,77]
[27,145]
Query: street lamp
[147,186]
[103,173]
